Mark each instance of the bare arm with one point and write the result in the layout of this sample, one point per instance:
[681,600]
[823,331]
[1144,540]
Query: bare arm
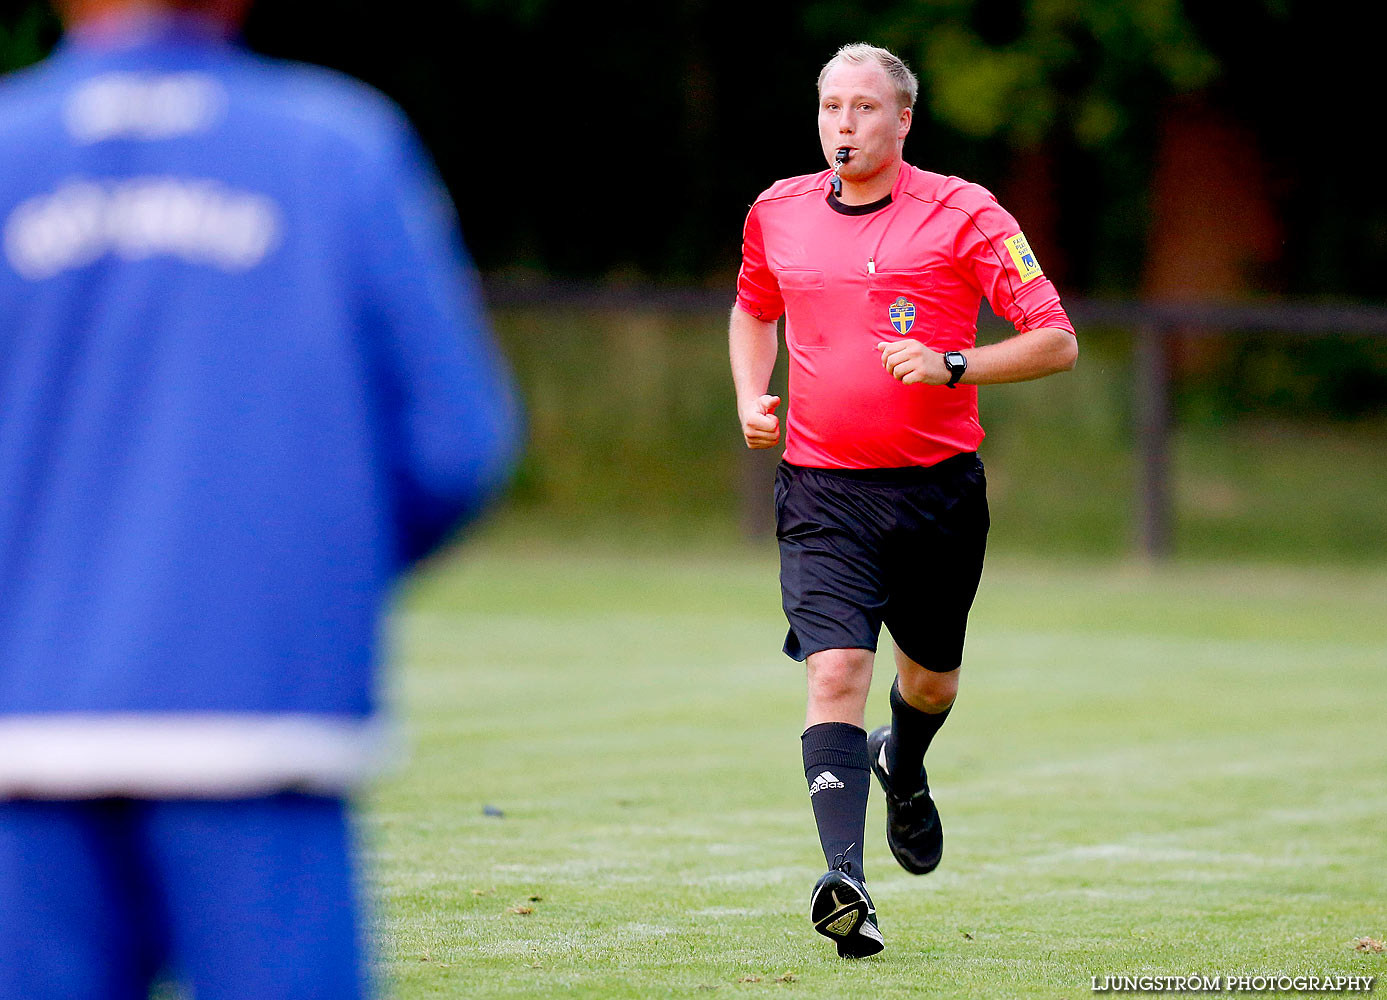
[752,344]
[1030,355]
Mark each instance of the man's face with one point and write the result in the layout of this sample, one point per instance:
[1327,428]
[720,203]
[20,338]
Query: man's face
[858,108]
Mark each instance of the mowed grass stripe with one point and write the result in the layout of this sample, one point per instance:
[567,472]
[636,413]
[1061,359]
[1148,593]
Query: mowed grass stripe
[1172,772]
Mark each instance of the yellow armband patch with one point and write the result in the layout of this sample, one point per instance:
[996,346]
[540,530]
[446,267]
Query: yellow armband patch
[1026,264]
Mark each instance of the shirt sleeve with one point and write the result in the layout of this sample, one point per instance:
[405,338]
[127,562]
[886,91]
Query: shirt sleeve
[758,293]
[993,250]
[452,420]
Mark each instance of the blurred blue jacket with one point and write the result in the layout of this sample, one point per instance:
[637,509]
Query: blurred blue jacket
[245,381]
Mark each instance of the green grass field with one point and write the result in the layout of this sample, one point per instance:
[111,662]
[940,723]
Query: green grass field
[1169,771]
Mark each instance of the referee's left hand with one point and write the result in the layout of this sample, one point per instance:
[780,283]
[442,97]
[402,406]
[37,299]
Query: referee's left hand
[911,362]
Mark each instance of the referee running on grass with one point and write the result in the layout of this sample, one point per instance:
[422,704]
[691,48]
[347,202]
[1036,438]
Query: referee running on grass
[880,269]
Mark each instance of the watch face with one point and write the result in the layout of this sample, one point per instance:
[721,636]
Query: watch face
[957,365]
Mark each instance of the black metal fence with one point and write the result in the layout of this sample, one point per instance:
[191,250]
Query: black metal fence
[1153,327]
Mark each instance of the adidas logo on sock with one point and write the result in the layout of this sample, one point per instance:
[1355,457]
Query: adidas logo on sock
[826,779]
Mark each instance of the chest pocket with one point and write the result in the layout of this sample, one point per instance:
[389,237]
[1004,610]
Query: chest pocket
[899,304]
[802,289]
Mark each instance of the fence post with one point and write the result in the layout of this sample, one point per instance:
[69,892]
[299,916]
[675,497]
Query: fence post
[1154,516]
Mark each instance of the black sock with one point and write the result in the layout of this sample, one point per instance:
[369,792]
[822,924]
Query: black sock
[911,733]
[838,772]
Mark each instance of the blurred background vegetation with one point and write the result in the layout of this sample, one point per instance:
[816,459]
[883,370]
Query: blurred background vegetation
[1153,150]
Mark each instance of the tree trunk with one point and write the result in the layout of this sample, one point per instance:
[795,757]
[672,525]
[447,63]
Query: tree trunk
[1214,229]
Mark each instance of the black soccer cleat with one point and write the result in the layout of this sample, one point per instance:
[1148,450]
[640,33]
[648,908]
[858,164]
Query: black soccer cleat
[841,910]
[913,830]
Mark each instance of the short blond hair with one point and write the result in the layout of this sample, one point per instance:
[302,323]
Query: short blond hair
[858,53]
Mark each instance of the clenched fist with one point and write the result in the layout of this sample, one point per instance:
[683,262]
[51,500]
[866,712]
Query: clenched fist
[911,362]
[760,425]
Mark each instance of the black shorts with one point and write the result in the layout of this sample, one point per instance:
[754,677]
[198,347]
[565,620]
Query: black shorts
[859,547]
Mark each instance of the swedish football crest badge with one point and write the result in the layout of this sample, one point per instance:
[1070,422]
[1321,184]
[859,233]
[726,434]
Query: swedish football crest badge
[902,314]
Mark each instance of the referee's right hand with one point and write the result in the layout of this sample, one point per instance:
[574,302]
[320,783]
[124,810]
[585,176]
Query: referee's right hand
[760,425]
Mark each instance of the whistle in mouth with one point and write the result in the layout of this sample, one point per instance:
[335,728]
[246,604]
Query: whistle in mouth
[839,158]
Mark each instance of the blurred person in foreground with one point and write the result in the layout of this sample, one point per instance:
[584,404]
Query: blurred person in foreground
[881,509]
[245,382]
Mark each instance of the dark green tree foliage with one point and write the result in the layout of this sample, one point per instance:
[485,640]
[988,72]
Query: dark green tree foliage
[1027,70]
[623,139]
[1089,78]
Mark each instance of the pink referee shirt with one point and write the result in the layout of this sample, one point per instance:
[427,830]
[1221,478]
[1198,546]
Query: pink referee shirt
[918,268]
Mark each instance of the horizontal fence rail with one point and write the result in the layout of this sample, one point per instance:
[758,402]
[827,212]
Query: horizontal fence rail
[1298,317]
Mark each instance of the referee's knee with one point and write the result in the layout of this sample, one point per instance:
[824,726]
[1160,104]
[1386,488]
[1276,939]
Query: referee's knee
[840,673]
[928,690]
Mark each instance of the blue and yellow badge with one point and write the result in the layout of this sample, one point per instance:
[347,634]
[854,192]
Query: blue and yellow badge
[1026,264]
[902,314]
